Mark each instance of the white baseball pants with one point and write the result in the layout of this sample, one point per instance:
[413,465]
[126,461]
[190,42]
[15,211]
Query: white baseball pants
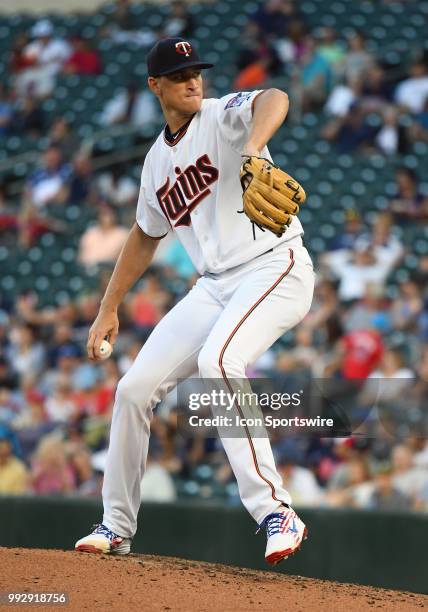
[222,325]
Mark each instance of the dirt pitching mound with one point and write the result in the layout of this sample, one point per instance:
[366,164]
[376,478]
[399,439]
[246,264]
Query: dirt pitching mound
[143,582]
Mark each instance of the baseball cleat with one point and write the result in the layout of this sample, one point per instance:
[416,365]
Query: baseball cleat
[285,533]
[103,540]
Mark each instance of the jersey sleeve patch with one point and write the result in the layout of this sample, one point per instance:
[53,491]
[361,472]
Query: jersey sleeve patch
[239,99]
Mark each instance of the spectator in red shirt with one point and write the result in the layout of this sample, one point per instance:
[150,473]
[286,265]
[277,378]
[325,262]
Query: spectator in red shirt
[354,355]
[83,59]
[18,60]
[94,400]
[8,213]
[362,352]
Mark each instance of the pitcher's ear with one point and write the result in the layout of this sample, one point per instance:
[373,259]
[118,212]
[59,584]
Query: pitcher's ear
[153,83]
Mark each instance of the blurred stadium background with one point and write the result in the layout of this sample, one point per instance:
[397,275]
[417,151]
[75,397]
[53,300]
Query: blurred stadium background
[75,123]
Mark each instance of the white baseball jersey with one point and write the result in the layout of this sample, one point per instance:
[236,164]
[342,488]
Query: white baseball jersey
[191,185]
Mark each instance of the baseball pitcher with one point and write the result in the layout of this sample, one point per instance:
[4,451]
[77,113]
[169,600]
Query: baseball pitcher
[256,282]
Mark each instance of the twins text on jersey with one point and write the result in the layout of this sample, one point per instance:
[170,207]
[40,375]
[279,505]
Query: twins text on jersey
[188,190]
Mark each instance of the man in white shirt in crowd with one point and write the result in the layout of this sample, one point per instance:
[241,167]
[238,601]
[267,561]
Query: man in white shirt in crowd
[47,56]
[138,108]
[371,259]
[412,93]
[47,184]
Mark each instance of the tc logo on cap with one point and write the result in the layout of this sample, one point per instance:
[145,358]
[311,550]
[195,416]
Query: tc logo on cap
[184,48]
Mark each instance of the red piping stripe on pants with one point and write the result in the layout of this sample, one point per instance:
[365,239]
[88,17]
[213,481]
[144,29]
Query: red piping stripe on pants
[220,362]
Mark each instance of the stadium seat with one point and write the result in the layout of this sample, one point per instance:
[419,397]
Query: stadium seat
[317,245]
[68,255]
[42,283]
[8,283]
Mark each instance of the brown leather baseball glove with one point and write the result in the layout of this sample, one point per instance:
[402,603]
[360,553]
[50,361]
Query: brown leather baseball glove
[270,196]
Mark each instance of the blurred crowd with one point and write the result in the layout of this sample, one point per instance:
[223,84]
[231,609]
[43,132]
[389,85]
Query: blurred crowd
[55,405]
[373,105]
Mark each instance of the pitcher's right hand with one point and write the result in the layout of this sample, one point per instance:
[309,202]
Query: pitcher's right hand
[105,326]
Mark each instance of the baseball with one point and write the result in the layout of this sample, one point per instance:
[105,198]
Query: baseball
[106,349]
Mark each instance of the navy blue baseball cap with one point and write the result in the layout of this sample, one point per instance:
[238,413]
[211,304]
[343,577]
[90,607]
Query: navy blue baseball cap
[171,55]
